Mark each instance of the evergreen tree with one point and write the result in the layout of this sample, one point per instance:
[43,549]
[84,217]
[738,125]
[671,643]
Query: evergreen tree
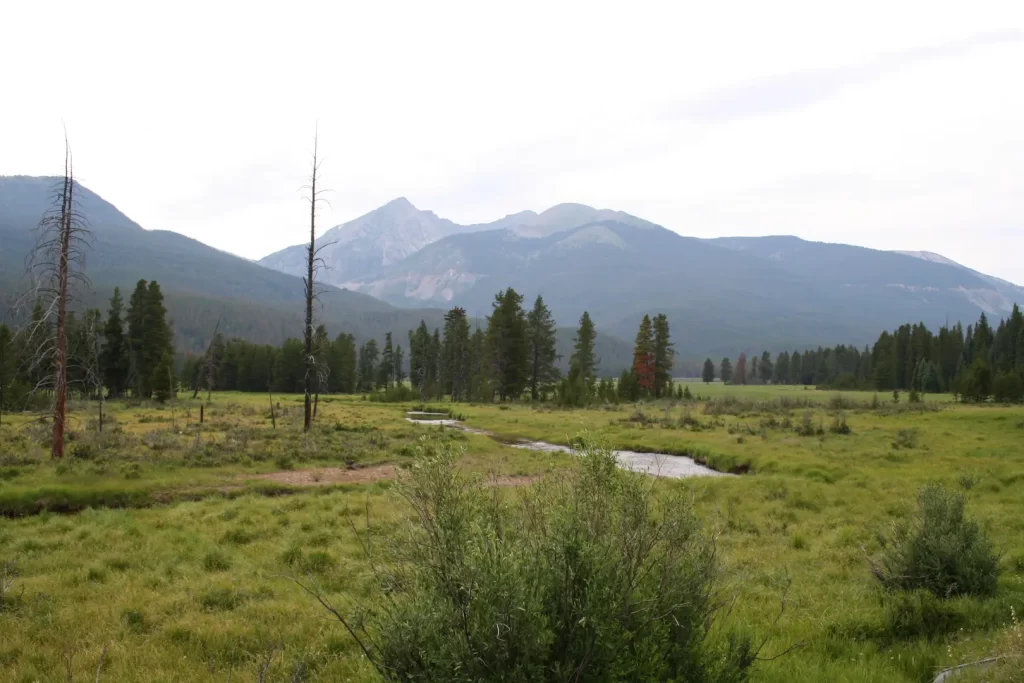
[149,335]
[434,364]
[163,381]
[114,358]
[583,349]
[290,367]
[780,375]
[739,373]
[765,370]
[725,371]
[419,345]
[628,388]
[399,365]
[795,368]
[540,331]
[753,374]
[708,375]
[663,355]
[643,356]
[386,368]
[137,353]
[478,384]
[455,354]
[507,343]
[368,354]
[343,364]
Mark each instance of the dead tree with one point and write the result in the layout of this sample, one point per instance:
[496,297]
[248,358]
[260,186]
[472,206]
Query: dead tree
[313,264]
[57,267]
[209,365]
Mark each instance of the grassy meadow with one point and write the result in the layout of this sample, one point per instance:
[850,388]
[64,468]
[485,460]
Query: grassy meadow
[168,548]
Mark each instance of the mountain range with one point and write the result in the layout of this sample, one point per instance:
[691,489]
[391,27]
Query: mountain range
[398,264]
[722,295]
[203,285]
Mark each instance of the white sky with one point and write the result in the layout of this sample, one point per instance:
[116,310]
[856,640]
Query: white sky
[895,125]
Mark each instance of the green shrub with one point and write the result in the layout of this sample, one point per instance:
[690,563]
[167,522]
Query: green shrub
[919,614]
[938,549]
[839,425]
[589,575]
[399,393]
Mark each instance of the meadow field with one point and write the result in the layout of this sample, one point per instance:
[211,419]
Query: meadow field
[168,549]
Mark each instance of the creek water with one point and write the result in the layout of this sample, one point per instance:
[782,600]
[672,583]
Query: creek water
[656,464]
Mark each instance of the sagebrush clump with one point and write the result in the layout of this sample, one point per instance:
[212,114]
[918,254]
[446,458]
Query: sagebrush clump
[938,549]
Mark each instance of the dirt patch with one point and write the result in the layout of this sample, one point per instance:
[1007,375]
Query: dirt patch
[323,476]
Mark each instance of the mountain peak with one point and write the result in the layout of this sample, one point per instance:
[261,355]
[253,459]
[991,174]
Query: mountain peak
[399,203]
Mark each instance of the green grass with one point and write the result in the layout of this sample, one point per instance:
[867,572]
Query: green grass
[178,559]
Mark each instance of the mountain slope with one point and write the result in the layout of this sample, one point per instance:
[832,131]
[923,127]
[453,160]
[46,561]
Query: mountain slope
[200,283]
[997,300]
[721,296]
[377,240]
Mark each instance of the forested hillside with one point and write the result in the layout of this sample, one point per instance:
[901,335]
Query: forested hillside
[201,285]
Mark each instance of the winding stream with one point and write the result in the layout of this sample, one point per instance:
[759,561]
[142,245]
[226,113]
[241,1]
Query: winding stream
[657,464]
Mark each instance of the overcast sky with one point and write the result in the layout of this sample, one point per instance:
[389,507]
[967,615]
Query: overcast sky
[894,125]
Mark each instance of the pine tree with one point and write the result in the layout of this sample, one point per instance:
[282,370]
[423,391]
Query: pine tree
[643,356]
[455,354]
[149,335]
[386,368]
[663,355]
[739,373]
[368,354]
[708,375]
[795,368]
[434,364]
[162,380]
[725,371]
[399,365]
[583,349]
[540,330]
[507,344]
[137,352]
[114,354]
[343,364]
[478,384]
[765,369]
[419,346]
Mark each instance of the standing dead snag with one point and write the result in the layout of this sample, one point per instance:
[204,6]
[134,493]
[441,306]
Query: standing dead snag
[312,267]
[56,266]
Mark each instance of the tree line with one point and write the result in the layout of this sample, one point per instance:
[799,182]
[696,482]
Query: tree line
[130,352]
[975,364]
[512,357]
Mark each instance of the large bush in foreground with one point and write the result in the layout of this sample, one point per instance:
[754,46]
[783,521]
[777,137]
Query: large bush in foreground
[938,549]
[587,576]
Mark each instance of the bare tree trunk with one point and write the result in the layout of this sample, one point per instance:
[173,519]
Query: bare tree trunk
[209,365]
[316,403]
[60,365]
[311,258]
